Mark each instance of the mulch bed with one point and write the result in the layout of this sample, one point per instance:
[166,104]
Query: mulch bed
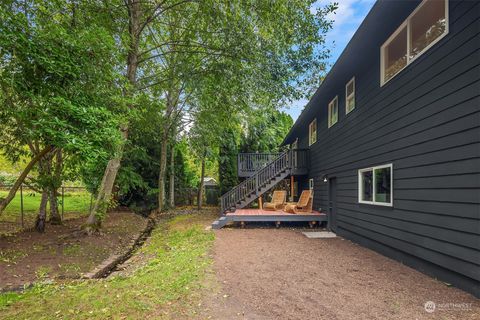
[64,252]
[281,274]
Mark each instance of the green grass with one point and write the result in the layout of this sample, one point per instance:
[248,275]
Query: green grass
[71,269]
[72,250]
[77,203]
[11,256]
[43,272]
[164,287]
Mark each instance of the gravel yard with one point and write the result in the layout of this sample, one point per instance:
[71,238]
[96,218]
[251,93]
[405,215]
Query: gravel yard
[281,274]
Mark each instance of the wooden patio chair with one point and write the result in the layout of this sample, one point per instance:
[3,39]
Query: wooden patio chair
[304,204]
[278,201]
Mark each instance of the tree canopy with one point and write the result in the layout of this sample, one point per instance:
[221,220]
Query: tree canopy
[160,92]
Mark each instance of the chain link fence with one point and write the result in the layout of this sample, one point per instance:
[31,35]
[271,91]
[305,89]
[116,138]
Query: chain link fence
[21,213]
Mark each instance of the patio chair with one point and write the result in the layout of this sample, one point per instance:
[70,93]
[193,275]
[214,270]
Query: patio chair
[304,204]
[278,201]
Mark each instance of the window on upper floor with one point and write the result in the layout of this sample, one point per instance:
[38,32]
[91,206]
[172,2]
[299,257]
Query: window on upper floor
[375,185]
[427,24]
[333,112]
[350,96]
[312,132]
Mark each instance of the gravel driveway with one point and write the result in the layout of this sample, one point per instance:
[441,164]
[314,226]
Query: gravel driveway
[281,274]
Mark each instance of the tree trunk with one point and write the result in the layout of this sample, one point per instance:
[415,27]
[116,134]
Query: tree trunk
[94,221]
[55,217]
[21,178]
[42,213]
[162,174]
[171,198]
[102,201]
[200,188]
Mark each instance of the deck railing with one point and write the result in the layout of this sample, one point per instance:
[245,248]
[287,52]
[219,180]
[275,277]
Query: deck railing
[248,163]
[296,161]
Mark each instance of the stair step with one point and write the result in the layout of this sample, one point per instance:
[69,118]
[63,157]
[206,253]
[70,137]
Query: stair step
[218,224]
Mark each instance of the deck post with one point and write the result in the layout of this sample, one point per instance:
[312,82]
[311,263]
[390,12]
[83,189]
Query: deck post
[292,181]
[260,202]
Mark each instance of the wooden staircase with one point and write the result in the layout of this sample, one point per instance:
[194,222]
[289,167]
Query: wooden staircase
[258,183]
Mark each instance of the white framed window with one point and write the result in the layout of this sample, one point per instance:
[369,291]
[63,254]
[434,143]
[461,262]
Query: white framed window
[350,96]
[312,132]
[310,184]
[375,185]
[425,26]
[333,112]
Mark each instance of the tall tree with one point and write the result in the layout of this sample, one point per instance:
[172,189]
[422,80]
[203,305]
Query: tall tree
[54,85]
[275,50]
[171,178]
[264,130]
[186,177]
[227,160]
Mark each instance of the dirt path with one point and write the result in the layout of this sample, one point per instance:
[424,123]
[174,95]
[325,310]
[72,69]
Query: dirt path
[280,274]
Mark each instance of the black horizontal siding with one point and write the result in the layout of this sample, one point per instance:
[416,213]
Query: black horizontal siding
[435,251]
[465,240]
[426,122]
[447,222]
[418,263]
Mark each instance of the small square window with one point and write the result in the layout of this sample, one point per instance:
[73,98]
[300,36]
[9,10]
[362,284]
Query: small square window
[333,112]
[350,96]
[375,185]
[312,132]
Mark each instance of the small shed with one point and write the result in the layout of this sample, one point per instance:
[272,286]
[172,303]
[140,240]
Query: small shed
[212,191]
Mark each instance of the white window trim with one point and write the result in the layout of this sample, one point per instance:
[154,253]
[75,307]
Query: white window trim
[409,60]
[330,110]
[310,184]
[360,185]
[347,96]
[310,142]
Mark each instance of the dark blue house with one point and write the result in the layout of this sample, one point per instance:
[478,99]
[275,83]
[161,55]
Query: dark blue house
[390,141]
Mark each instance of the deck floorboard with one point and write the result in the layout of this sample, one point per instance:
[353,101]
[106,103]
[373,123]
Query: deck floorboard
[265,215]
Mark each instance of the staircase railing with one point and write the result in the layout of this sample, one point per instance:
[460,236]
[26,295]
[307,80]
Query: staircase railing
[256,181]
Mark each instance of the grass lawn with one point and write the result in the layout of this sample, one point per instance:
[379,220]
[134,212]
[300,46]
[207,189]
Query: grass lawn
[76,203]
[166,286]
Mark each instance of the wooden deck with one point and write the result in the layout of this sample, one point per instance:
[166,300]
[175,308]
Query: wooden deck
[257,215]
[259,212]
